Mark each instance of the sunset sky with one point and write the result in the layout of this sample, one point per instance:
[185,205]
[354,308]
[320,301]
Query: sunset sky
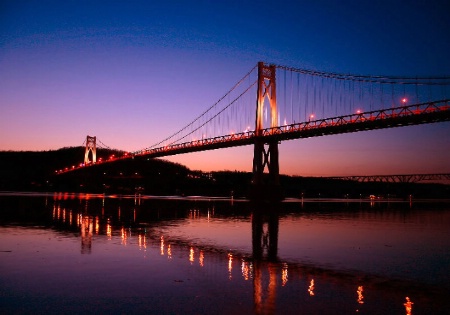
[133,72]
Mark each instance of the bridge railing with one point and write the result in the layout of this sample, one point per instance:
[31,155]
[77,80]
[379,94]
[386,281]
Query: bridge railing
[244,138]
[359,117]
[231,138]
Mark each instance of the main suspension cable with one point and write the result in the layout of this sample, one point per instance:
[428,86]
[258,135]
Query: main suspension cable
[444,80]
[204,113]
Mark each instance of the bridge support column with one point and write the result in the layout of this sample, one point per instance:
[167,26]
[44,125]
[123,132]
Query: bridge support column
[91,146]
[266,157]
[265,186]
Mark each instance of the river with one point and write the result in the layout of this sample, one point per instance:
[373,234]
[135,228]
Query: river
[87,253]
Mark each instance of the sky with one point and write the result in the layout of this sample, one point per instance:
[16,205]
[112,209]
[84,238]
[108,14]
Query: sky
[133,72]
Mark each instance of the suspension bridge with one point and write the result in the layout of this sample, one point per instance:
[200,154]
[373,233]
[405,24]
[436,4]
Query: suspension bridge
[274,103]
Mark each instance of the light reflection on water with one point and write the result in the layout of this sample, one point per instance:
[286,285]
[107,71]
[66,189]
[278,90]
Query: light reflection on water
[208,256]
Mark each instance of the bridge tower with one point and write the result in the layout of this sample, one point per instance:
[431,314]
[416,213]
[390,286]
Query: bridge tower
[266,152]
[91,146]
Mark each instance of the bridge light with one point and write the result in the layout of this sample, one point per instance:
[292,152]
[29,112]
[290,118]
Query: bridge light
[311,116]
[404,100]
[358,111]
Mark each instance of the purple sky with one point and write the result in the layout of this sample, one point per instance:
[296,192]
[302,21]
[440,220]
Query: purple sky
[133,72]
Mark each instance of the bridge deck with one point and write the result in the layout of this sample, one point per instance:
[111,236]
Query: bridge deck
[417,114]
[380,119]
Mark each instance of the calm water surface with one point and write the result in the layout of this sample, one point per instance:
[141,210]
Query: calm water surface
[79,253]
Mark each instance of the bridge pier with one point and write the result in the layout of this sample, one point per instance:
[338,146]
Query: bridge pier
[266,186]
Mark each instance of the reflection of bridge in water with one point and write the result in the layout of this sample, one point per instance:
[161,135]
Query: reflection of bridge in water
[269,275]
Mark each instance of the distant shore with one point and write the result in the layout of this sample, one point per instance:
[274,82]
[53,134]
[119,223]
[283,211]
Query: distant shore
[35,172]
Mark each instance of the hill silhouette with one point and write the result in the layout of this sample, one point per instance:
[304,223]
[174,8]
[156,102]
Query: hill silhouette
[35,171]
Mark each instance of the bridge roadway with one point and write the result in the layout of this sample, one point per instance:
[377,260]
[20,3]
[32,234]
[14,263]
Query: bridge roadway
[416,114]
[425,113]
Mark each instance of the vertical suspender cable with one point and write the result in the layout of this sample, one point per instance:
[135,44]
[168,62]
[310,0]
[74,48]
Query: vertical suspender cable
[284,101]
[298,97]
[292,109]
[322,98]
[417,92]
[314,103]
[393,100]
[308,96]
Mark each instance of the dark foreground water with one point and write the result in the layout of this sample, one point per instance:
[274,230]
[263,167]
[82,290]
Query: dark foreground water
[71,253]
